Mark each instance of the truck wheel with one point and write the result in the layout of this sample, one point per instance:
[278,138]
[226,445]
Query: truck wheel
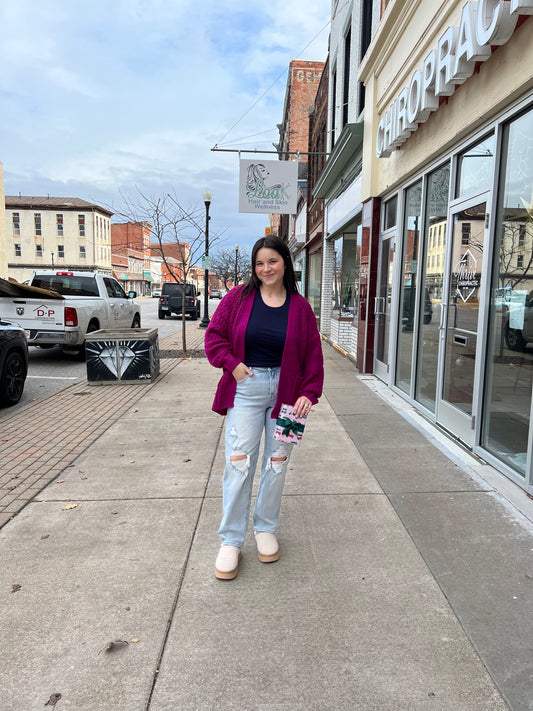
[514,339]
[136,321]
[161,314]
[194,316]
[13,377]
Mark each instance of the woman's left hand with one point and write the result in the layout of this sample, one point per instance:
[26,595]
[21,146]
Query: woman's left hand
[302,406]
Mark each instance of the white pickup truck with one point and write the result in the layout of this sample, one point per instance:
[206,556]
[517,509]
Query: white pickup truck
[62,307]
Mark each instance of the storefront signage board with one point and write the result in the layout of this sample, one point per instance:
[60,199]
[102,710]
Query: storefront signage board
[483,23]
[269,186]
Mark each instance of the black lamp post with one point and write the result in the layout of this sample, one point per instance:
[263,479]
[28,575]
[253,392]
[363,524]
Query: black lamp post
[207,201]
[236,263]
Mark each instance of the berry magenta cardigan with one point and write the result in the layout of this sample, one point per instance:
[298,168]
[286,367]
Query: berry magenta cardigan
[302,364]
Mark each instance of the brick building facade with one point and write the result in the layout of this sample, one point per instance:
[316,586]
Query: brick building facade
[56,232]
[317,147]
[132,239]
[302,82]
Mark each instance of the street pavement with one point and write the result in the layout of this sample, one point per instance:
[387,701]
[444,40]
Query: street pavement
[405,581]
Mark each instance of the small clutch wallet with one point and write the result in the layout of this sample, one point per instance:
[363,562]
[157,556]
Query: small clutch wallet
[289,428]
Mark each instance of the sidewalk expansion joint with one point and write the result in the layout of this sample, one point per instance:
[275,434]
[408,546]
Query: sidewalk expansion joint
[183,571]
[119,499]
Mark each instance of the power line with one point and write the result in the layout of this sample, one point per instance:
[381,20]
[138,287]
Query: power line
[272,85]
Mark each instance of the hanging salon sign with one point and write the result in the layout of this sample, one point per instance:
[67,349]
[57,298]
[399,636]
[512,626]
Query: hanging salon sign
[268,186]
[483,23]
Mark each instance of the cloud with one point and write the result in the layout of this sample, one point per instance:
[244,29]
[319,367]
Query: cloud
[100,97]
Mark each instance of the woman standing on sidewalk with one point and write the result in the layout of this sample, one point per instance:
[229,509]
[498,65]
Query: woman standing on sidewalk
[264,337]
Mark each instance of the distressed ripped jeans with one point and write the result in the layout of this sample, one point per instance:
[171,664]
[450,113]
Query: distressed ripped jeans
[245,423]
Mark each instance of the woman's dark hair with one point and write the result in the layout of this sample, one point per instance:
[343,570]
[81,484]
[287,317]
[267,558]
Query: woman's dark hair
[289,277]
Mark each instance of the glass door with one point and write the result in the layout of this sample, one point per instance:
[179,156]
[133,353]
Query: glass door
[382,306]
[459,318]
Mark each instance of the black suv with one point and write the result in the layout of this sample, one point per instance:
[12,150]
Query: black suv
[13,362]
[170,300]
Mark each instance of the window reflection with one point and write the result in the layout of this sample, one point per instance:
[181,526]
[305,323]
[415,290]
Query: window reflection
[315,280]
[346,275]
[411,234]
[337,277]
[432,280]
[474,168]
[510,358]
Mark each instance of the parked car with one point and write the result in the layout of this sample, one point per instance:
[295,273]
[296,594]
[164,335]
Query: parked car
[156,293]
[72,305]
[171,299]
[516,339]
[13,363]
[215,294]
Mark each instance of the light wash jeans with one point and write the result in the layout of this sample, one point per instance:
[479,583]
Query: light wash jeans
[245,422]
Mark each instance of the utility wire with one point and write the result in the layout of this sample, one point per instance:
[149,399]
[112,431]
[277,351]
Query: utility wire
[274,82]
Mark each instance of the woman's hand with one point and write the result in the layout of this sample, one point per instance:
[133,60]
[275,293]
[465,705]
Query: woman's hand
[240,372]
[302,406]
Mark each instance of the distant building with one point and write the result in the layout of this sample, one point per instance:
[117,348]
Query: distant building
[318,144]
[3,240]
[302,83]
[132,239]
[55,232]
[176,255]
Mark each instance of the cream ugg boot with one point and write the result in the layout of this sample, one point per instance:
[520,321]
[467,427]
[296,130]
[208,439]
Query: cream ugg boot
[267,547]
[227,562]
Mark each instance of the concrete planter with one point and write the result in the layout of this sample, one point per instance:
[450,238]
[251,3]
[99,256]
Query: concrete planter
[122,356]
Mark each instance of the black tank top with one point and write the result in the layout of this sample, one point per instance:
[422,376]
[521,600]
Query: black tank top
[266,333]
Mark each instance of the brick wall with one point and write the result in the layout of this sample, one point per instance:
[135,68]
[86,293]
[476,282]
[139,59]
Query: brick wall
[304,77]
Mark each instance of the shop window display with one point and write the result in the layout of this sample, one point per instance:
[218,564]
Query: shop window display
[510,349]
[346,275]
[315,281]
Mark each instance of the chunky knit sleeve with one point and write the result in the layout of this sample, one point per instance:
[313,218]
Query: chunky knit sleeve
[219,337]
[313,366]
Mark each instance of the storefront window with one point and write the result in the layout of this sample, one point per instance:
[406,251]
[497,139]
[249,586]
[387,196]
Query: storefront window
[474,168]
[337,278]
[510,351]
[389,213]
[315,280]
[346,275]
[432,279]
[410,240]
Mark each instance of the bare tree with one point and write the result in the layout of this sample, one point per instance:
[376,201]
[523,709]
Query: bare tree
[228,263]
[173,228]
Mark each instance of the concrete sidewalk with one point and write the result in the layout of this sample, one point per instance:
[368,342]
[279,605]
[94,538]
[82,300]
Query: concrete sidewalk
[405,582]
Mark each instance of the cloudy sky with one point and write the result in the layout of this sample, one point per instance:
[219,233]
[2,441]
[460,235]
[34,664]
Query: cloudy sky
[98,98]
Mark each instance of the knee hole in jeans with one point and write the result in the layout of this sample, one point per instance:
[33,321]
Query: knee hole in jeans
[277,461]
[240,460]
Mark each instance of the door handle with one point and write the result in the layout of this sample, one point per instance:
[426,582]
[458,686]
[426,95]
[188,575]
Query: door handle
[443,310]
[455,310]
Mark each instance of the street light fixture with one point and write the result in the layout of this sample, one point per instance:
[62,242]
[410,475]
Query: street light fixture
[207,202]
[236,262]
